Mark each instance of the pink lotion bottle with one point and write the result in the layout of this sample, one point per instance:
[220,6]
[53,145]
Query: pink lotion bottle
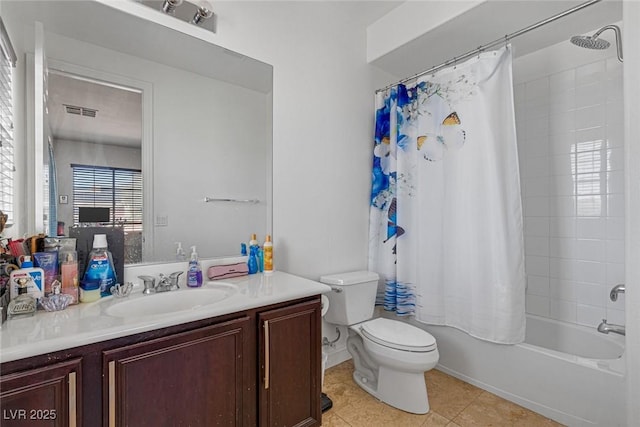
[69,276]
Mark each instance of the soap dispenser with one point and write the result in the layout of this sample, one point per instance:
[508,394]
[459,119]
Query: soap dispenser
[180,254]
[194,275]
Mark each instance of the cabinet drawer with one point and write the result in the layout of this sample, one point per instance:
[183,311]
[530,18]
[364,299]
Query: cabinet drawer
[47,396]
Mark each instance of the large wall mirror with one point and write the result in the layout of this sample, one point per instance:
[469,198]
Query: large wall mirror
[145,120]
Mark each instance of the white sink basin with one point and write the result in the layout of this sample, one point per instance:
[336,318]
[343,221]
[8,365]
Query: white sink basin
[170,302]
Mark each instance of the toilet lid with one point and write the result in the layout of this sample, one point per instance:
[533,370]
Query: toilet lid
[398,335]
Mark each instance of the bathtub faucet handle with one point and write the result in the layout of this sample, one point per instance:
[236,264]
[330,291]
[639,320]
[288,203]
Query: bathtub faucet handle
[620,288]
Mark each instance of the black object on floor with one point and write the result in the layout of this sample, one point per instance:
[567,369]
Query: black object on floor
[326,403]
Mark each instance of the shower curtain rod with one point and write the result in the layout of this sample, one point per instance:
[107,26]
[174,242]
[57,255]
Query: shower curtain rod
[496,42]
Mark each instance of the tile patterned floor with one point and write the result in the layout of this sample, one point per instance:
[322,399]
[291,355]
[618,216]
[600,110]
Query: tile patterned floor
[454,403]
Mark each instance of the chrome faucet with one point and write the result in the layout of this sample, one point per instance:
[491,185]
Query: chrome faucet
[166,283]
[149,284]
[615,291]
[605,328]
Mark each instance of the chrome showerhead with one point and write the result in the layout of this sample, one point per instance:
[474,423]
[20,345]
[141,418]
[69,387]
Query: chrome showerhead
[593,42]
[590,42]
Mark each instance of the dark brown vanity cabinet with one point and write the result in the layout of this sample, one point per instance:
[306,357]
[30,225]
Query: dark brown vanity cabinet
[45,396]
[193,378]
[255,368]
[290,366]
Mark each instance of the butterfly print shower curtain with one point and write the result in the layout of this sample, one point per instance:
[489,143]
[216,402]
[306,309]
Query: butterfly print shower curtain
[446,230]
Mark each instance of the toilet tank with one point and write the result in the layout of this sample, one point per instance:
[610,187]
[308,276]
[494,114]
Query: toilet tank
[352,298]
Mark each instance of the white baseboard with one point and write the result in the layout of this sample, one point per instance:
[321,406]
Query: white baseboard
[336,356]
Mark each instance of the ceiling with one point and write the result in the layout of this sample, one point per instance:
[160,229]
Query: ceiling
[117,121]
[492,20]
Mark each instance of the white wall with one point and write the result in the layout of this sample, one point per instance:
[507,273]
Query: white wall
[322,126]
[631,40]
[570,140]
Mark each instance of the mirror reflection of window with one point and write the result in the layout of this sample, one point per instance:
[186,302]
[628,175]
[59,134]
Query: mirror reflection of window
[115,189]
[108,196]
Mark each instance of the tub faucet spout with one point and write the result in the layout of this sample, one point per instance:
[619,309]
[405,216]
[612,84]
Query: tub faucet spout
[605,328]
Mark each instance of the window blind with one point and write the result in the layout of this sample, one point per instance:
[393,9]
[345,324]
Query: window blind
[7,160]
[118,189]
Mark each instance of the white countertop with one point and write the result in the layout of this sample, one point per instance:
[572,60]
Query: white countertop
[88,323]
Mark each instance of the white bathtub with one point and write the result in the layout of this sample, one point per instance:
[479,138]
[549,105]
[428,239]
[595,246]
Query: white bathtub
[572,374]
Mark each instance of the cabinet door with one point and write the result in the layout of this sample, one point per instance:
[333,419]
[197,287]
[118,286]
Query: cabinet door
[48,396]
[290,364]
[192,379]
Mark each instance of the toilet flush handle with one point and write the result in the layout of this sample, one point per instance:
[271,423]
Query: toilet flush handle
[336,289]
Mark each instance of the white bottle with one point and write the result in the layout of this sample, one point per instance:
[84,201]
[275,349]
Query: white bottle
[253,241]
[29,276]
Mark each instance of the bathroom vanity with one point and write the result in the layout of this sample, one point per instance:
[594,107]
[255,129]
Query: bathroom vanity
[251,358]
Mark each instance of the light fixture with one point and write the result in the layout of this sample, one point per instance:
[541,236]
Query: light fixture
[169,6]
[195,12]
[203,13]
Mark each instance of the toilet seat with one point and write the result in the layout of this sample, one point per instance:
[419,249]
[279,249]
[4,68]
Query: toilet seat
[398,335]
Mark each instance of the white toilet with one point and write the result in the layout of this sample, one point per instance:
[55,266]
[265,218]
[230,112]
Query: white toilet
[390,356]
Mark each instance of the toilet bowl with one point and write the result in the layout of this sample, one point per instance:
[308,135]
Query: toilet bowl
[390,356]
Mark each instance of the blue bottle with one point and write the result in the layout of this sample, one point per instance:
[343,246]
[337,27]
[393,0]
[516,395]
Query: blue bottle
[253,260]
[100,273]
[260,260]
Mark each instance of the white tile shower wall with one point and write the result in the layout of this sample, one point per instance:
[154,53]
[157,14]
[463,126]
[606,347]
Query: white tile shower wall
[569,126]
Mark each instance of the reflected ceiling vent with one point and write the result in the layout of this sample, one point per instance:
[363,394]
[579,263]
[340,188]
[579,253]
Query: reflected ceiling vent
[80,111]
